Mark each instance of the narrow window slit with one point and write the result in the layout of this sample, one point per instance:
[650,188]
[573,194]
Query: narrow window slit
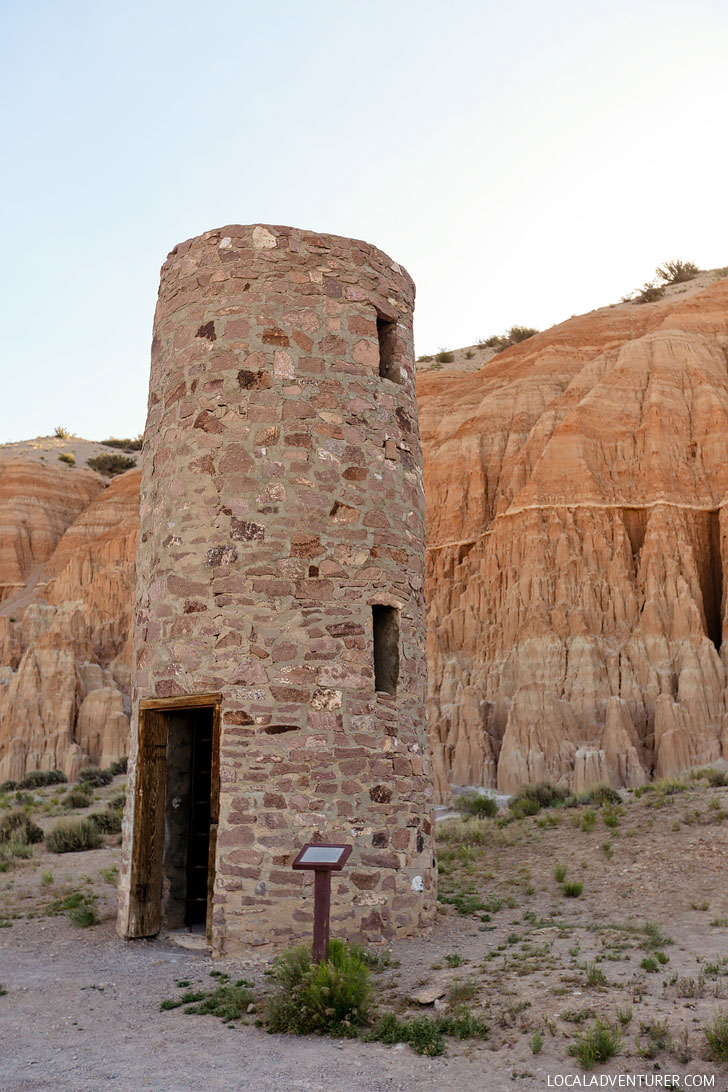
[387,335]
[385,627]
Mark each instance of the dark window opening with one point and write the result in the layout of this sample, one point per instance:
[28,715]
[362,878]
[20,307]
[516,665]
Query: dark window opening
[187,818]
[388,364]
[385,626]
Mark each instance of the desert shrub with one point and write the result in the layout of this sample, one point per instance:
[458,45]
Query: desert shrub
[331,998]
[95,777]
[658,1038]
[77,797]
[476,803]
[597,1044]
[19,827]
[8,786]
[573,889]
[117,802]
[536,1042]
[79,907]
[445,357]
[109,465]
[73,835]
[716,778]
[68,458]
[39,779]
[677,271]
[654,937]
[529,799]
[61,433]
[717,1035]
[107,822]
[124,445]
[425,1034]
[469,355]
[600,795]
[517,334]
[649,293]
[119,766]
[560,872]
[229,1000]
[424,359]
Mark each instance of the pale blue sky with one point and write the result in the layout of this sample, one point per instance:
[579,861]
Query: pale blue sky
[524,160]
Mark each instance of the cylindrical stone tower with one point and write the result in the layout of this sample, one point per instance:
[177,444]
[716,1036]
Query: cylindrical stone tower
[279,639]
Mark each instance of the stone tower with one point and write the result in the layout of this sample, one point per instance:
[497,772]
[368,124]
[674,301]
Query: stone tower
[279,639]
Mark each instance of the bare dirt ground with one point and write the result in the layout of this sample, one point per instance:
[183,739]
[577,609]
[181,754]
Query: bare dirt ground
[644,947]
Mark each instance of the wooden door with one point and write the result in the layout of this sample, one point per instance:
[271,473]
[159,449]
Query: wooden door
[148,838]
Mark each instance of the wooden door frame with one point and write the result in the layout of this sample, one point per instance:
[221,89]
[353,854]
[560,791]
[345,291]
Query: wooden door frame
[150,804]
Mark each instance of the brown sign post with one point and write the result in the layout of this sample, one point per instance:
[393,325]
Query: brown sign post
[322,858]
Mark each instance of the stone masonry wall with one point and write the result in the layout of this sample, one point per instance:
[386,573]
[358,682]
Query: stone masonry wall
[282,496]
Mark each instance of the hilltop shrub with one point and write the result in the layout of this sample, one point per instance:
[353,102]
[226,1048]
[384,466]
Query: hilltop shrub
[124,445]
[677,271]
[445,357]
[649,293]
[61,433]
[109,465]
[332,998]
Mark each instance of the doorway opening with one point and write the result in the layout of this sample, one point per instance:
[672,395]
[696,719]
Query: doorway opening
[176,812]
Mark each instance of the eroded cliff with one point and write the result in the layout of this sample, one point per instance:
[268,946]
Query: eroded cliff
[65,620]
[577,543]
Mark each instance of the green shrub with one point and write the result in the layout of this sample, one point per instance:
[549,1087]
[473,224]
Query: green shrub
[677,271]
[107,822]
[229,1001]
[332,997]
[541,795]
[119,766]
[73,835]
[654,937]
[95,777]
[658,1038]
[560,872]
[445,357]
[517,334]
[425,1034]
[8,786]
[79,907]
[649,293]
[68,457]
[109,465]
[536,1042]
[717,1035]
[19,827]
[477,803]
[597,1044]
[124,445]
[77,797]
[600,795]
[39,779]
[594,975]
[716,778]
[573,889]
[649,964]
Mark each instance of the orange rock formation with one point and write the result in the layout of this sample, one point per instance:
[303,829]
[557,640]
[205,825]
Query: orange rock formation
[64,628]
[577,543]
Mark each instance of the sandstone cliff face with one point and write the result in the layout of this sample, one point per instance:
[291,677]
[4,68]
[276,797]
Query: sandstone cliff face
[577,546]
[37,503]
[64,637]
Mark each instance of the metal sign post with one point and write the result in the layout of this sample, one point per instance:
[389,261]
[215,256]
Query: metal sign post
[322,858]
